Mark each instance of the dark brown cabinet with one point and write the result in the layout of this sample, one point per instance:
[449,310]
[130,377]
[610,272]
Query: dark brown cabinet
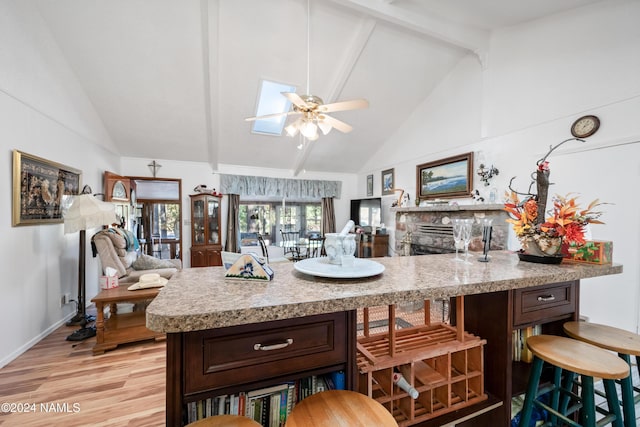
[494,316]
[206,244]
[242,358]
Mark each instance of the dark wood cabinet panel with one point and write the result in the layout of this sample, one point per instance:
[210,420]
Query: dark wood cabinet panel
[234,356]
[246,357]
[494,316]
[372,245]
[543,302]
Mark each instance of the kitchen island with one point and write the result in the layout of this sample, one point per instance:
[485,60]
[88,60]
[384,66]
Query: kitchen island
[202,312]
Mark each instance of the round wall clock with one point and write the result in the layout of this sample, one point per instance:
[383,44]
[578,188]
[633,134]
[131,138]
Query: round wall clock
[585,126]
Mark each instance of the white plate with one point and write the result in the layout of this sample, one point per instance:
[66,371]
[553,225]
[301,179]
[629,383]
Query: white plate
[322,268]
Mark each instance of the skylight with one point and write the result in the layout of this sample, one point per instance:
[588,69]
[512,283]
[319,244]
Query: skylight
[271,101]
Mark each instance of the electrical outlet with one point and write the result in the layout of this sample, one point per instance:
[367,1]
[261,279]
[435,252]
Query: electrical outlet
[62,301]
[65,299]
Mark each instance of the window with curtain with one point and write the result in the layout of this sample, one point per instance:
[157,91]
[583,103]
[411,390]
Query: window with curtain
[268,218]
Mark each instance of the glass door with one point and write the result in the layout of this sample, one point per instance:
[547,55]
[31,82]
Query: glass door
[161,229]
[158,216]
[198,222]
[212,213]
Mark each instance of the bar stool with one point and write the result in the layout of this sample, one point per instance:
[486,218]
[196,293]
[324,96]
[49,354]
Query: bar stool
[334,408]
[225,421]
[573,357]
[625,343]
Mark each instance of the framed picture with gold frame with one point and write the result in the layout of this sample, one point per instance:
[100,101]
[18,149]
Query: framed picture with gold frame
[445,178]
[40,189]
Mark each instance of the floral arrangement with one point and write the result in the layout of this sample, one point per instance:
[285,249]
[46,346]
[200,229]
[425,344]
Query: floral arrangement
[540,232]
[566,220]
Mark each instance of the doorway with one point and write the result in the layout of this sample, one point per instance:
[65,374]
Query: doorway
[151,209]
[157,221]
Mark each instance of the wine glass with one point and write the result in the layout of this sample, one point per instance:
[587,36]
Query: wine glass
[467,225]
[457,235]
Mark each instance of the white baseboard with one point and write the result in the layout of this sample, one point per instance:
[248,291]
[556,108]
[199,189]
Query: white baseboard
[35,340]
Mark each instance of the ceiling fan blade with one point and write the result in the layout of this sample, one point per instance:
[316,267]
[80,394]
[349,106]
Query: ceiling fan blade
[270,116]
[355,104]
[295,99]
[341,126]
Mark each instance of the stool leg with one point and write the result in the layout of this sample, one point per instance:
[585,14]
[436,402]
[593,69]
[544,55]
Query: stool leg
[635,389]
[628,401]
[532,389]
[569,377]
[555,395]
[612,401]
[588,402]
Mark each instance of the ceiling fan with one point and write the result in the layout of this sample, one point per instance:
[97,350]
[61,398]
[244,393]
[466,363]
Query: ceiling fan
[312,111]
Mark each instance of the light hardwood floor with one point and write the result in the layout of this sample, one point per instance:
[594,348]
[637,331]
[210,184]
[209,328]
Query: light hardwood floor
[124,387]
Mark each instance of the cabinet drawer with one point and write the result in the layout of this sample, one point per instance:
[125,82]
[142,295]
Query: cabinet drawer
[537,304]
[241,354]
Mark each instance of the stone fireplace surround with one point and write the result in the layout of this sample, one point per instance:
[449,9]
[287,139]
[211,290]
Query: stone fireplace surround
[432,231]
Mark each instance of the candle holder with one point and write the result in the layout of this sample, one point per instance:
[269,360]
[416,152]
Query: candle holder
[487,229]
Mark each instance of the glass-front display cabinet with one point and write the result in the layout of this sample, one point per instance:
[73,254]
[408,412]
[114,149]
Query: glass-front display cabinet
[206,244]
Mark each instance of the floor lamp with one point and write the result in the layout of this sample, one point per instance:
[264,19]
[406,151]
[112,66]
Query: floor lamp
[84,213]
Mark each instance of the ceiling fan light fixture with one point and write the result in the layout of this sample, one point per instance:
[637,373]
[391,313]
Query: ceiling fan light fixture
[309,130]
[324,127]
[292,129]
[311,109]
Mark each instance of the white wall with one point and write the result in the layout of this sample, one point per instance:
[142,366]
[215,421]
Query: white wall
[196,173]
[539,78]
[43,112]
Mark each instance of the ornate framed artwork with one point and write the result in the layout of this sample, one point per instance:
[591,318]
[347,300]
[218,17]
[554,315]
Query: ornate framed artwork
[445,178]
[40,189]
[369,185]
[387,182]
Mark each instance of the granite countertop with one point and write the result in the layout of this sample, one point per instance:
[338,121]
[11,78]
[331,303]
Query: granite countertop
[201,298]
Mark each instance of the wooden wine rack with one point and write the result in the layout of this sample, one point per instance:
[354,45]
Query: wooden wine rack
[443,363]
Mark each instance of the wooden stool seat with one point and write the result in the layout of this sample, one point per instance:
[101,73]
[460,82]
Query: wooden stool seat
[225,421]
[578,357]
[336,408]
[603,336]
[570,357]
[626,344]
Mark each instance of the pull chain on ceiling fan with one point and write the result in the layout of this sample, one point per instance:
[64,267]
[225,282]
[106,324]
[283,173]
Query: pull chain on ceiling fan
[311,110]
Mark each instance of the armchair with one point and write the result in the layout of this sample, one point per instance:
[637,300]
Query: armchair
[116,249]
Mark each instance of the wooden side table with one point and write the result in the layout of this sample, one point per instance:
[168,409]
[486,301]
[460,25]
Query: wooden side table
[122,328]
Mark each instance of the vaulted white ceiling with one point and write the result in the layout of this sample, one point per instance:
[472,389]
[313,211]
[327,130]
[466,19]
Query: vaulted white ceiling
[174,79]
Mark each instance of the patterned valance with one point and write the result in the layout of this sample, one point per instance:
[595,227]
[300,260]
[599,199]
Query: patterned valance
[279,187]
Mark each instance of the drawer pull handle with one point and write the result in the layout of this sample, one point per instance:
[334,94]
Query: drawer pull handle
[547,298]
[273,346]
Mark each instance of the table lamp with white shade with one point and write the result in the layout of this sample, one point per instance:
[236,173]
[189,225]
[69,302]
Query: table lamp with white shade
[85,212]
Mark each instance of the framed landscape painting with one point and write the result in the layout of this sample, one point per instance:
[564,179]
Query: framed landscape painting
[40,188]
[445,178]
[387,182]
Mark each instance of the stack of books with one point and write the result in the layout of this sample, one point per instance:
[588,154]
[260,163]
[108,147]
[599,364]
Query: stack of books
[269,406]
[520,351]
